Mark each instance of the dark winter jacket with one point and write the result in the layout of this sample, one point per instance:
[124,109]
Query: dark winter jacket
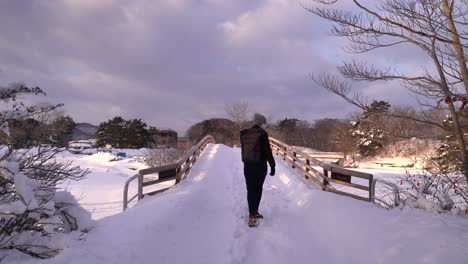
[255,146]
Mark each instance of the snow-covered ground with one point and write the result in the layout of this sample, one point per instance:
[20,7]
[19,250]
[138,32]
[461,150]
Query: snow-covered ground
[203,220]
[403,164]
[101,192]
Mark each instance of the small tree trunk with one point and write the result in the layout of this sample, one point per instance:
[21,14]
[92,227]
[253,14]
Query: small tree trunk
[456,43]
[464,73]
[457,130]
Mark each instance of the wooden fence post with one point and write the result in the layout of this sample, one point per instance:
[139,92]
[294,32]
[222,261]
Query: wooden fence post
[140,187]
[325,174]
[307,169]
[179,177]
[294,160]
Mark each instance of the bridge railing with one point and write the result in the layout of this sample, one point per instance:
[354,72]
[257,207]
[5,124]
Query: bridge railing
[321,177]
[176,171]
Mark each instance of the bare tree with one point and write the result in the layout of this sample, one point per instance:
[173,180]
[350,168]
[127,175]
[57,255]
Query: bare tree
[430,25]
[292,131]
[238,113]
[341,139]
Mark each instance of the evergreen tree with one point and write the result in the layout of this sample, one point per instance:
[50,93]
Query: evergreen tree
[136,134]
[61,131]
[111,132]
[122,133]
[287,124]
[370,137]
[447,155]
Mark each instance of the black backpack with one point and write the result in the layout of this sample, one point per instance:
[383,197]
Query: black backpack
[251,145]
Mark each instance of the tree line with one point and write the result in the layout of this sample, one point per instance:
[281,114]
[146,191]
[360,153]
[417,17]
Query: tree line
[56,130]
[367,133]
[30,132]
[434,28]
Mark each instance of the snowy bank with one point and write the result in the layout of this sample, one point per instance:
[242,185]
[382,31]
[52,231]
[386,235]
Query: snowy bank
[203,220]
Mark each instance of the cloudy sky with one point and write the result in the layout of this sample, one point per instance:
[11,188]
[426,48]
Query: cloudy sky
[177,62]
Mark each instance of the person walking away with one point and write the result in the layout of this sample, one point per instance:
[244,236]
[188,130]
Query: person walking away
[256,152]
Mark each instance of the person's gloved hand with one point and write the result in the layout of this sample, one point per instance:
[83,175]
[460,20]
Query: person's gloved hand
[272,171]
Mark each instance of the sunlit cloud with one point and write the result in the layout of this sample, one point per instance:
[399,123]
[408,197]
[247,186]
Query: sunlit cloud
[176,62]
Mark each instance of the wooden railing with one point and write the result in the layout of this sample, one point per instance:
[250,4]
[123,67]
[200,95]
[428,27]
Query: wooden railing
[326,173]
[176,171]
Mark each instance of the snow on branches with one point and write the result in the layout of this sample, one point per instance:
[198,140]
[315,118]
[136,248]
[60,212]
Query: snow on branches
[34,216]
[370,139]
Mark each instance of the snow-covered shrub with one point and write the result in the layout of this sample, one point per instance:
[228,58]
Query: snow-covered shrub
[34,216]
[161,157]
[435,191]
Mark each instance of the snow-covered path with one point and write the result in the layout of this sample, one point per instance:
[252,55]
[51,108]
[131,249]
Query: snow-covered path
[203,220]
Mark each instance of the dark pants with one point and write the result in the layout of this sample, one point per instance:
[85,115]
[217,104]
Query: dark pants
[254,177]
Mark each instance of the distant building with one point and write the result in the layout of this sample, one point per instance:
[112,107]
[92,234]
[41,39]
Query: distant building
[184,143]
[167,138]
[82,144]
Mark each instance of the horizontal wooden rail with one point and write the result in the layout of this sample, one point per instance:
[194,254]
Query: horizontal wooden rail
[331,155]
[306,162]
[176,171]
[152,182]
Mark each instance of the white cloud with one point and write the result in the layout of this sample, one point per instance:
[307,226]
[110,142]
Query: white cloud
[270,19]
[170,62]
[87,4]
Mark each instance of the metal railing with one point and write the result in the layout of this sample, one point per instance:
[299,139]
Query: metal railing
[297,159]
[305,162]
[176,171]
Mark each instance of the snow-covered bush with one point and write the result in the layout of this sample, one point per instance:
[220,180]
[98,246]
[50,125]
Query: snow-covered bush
[34,215]
[435,191]
[161,157]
